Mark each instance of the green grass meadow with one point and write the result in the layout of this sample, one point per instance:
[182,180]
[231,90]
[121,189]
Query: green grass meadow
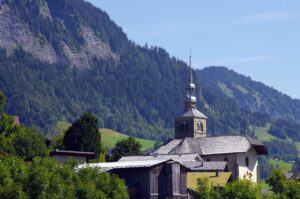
[109,137]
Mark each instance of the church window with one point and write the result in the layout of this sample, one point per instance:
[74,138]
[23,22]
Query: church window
[247,161]
[200,126]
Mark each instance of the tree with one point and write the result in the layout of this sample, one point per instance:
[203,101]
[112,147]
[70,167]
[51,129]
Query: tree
[46,178]
[128,146]
[2,100]
[276,181]
[282,187]
[83,135]
[29,143]
[242,189]
[205,190]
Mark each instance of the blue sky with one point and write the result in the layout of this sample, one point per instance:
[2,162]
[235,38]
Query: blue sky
[258,38]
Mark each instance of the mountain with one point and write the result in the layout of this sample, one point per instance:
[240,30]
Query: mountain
[250,95]
[59,59]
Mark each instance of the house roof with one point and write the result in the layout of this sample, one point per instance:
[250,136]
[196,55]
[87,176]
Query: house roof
[175,157]
[212,145]
[144,162]
[205,166]
[72,153]
[123,164]
[192,113]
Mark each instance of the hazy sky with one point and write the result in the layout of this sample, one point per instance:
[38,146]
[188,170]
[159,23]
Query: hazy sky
[258,38]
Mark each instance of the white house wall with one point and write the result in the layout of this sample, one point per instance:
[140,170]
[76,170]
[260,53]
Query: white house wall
[248,172]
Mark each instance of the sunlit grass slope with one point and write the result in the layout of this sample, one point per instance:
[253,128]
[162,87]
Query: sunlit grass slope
[109,137]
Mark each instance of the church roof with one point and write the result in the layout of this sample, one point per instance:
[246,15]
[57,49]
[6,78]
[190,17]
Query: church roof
[192,113]
[106,166]
[212,145]
[175,157]
[206,166]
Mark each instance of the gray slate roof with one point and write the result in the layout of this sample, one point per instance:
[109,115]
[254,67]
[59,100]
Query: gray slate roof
[106,166]
[212,145]
[192,113]
[177,158]
[205,166]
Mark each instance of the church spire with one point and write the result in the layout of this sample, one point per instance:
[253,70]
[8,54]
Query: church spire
[190,123]
[190,102]
[190,68]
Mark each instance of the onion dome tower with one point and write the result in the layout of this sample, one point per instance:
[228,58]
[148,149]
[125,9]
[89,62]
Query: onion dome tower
[191,123]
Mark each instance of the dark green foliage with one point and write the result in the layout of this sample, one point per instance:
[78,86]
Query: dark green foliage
[126,147]
[46,178]
[276,181]
[282,187]
[250,95]
[283,150]
[139,95]
[239,189]
[265,167]
[205,190]
[21,141]
[285,129]
[83,135]
[29,143]
[296,166]
[242,189]
[2,100]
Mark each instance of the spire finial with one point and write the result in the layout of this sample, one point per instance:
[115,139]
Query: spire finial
[190,72]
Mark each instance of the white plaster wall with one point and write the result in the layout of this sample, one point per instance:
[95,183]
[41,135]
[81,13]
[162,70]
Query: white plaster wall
[248,172]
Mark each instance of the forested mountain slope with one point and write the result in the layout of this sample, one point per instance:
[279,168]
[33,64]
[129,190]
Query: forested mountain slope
[61,58]
[250,95]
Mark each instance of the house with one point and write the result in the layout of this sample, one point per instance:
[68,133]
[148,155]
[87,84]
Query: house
[63,155]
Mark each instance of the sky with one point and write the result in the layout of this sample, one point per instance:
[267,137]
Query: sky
[257,38]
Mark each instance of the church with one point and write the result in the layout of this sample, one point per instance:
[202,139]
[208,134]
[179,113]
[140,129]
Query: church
[239,151]
[173,169]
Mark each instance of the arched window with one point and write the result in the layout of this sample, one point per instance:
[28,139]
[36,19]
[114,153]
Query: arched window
[247,161]
[226,159]
[200,126]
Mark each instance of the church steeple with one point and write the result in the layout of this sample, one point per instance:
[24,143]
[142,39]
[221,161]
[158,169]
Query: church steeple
[191,123]
[191,100]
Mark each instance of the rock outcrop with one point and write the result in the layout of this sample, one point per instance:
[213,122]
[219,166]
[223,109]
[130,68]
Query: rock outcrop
[14,34]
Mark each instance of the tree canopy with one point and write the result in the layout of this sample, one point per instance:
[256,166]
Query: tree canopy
[83,135]
[281,188]
[46,178]
[126,147]
[2,100]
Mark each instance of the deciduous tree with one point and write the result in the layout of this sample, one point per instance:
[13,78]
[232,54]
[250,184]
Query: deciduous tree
[83,135]
[128,146]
